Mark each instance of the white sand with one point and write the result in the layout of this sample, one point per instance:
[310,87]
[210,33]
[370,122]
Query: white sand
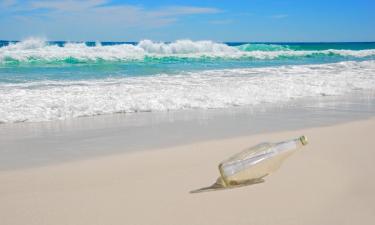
[331,181]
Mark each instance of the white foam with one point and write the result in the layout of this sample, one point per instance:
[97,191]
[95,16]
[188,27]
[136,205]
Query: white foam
[38,49]
[56,100]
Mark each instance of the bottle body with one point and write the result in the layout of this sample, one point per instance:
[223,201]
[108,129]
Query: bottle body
[257,162]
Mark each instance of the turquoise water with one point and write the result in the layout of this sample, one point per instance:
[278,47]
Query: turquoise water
[42,80]
[36,60]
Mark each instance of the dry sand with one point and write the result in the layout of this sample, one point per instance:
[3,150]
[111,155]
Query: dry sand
[331,181]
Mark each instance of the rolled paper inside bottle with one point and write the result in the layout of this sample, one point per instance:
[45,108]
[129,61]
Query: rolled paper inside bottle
[303,140]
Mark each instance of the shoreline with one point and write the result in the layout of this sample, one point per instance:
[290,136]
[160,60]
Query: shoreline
[329,178]
[90,137]
[112,155]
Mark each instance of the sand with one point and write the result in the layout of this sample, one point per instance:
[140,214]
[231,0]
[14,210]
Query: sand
[330,181]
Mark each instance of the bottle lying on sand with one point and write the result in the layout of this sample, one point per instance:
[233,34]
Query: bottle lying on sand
[252,164]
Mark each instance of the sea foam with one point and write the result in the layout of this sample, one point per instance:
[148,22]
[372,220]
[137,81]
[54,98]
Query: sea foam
[34,50]
[57,100]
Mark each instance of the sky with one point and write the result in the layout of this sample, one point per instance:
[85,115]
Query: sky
[166,20]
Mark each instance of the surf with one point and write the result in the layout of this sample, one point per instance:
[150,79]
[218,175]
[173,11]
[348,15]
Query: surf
[205,89]
[39,52]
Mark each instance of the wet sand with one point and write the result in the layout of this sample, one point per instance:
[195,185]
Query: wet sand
[27,145]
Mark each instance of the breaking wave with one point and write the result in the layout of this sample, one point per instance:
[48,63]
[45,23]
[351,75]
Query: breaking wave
[40,51]
[57,100]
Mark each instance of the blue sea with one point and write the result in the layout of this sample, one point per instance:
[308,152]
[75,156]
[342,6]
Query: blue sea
[53,80]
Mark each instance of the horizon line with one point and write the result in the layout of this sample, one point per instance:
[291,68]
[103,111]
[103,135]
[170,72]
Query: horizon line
[255,42]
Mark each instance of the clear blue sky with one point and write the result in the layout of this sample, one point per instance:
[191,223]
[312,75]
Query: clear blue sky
[166,20]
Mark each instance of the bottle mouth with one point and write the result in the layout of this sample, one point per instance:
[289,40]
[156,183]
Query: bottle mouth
[303,140]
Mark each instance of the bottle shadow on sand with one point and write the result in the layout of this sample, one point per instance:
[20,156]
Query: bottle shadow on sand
[219,185]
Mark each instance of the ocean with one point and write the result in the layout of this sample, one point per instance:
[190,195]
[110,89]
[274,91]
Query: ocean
[52,80]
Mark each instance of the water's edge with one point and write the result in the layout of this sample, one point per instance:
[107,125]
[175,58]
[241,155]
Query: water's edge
[27,145]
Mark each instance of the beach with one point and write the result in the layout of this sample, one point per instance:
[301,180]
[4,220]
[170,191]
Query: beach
[122,132]
[327,182]
[116,112]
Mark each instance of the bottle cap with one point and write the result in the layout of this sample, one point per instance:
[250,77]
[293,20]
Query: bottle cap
[303,140]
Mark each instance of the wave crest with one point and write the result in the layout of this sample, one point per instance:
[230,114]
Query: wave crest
[38,50]
[184,47]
